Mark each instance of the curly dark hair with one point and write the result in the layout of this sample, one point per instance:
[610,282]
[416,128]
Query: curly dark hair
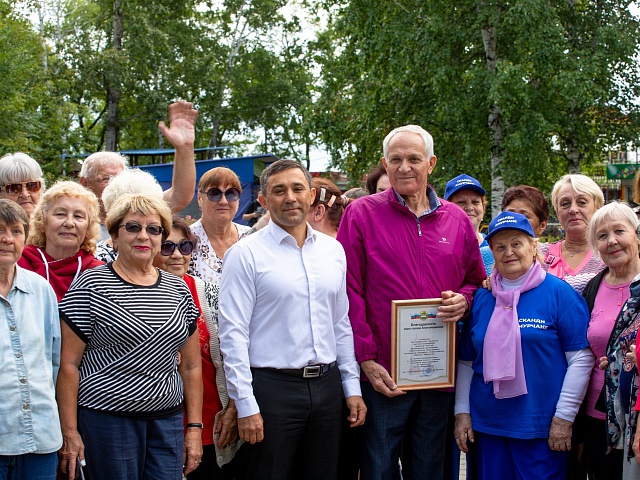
[531,195]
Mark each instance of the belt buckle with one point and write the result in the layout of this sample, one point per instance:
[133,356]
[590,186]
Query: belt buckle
[312,371]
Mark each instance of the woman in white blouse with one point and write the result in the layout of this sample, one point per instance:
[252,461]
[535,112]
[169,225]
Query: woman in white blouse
[218,197]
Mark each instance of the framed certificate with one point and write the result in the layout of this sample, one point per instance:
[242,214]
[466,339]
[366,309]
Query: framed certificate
[423,348]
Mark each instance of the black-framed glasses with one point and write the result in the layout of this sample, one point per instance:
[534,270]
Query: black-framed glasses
[135,227]
[185,247]
[16,188]
[215,194]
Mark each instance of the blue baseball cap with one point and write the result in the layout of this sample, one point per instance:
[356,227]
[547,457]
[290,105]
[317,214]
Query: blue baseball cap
[462,182]
[509,221]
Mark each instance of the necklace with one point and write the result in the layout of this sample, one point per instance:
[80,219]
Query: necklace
[571,254]
[131,280]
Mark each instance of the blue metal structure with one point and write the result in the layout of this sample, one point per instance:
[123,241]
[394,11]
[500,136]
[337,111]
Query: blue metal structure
[248,170]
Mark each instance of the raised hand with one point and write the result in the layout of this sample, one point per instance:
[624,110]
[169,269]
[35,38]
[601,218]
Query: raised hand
[182,120]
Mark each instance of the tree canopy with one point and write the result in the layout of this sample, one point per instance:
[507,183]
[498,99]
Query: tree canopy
[106,70]
[537,86]
[23,89]
[513,92]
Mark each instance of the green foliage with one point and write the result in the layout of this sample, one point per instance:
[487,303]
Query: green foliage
[23,87]
[258,77]
[239,61]
[566,77]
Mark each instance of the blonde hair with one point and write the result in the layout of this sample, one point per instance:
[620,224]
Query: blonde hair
[581,184]
[138,204]
[60,189]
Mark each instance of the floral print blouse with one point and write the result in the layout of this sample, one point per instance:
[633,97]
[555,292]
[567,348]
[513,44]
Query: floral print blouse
[205,263]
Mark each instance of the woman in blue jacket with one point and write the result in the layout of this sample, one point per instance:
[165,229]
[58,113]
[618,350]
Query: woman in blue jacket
[524,363]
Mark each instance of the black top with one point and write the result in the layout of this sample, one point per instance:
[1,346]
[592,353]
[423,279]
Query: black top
[591,289]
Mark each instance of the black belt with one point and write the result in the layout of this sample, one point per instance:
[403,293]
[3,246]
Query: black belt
[310,371]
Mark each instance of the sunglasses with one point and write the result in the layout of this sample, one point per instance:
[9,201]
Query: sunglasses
[135,227]
[215,194]
[185,247]
[16,188]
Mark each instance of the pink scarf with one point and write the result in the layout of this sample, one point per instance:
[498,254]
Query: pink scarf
[502,352]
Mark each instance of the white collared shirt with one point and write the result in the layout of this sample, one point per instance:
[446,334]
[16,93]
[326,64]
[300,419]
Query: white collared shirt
[282,306]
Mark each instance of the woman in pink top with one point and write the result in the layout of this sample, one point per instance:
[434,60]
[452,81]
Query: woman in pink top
[612,232]
[575,199]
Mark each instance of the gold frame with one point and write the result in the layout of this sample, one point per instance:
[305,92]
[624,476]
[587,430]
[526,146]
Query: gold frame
[424,308]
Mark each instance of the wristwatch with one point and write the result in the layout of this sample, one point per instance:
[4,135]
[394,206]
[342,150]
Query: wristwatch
[195,425]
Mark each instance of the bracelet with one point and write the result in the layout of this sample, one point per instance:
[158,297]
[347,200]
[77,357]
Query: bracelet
[195,425]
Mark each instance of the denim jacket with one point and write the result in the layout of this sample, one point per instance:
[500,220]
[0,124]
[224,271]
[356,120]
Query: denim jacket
[30,359]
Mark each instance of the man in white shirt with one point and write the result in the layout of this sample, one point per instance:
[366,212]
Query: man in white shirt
[286,338]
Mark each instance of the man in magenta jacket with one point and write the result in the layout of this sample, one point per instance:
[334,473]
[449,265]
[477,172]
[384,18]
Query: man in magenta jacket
[405,243]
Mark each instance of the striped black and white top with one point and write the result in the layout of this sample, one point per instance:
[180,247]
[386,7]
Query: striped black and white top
[133,334]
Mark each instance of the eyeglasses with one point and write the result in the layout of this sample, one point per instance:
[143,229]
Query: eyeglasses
[135,227]
[16,188]
[185,247]
[105,179]
[215,194]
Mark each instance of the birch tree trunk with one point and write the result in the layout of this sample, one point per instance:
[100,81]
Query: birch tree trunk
[113,92]
[574,155]
[490,40]
[43,40]
[236,43]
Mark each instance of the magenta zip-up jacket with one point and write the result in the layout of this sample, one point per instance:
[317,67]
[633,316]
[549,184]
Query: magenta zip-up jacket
[392,255]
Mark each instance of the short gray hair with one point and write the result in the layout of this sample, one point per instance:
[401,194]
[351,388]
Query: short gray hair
[581,184]
[98,159]
[280,166]
[426,137]
[12,213]
[130,180]
[611,212]
[19,167]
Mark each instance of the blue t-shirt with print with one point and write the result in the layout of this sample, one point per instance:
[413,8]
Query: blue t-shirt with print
[553,320]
